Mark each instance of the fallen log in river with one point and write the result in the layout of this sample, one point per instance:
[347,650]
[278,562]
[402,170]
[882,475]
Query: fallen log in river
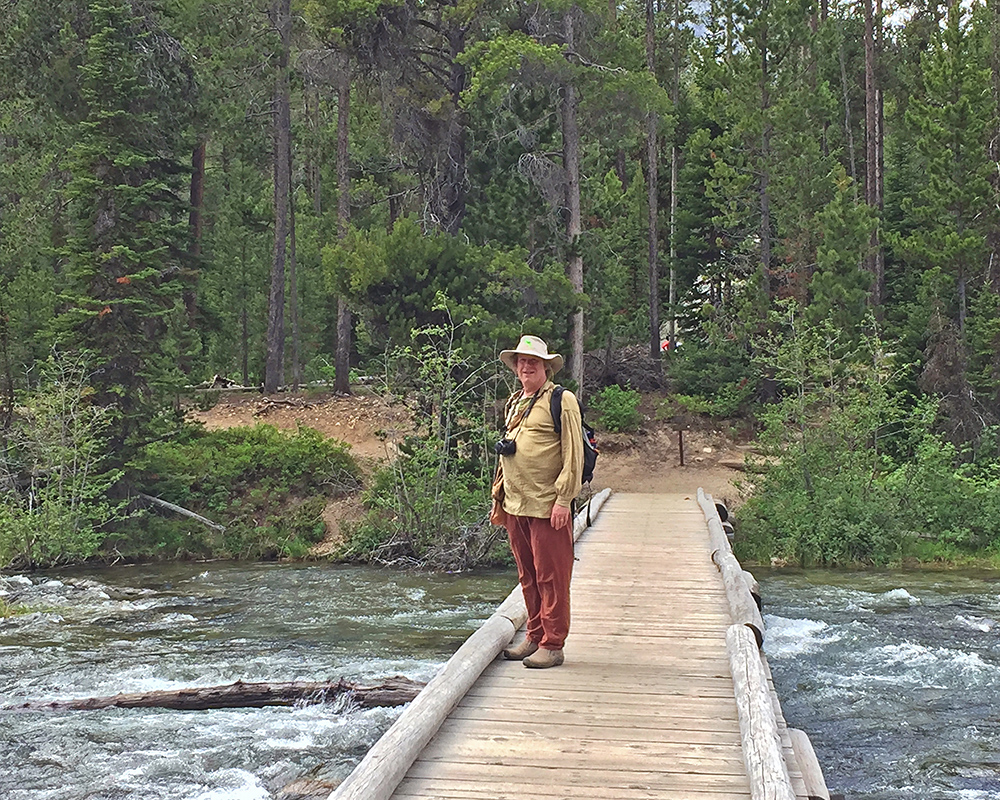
[391,692]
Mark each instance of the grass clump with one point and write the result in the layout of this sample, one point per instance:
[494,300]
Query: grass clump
[12,609]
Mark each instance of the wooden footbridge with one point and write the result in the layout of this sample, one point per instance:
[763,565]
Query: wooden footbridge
[664,693]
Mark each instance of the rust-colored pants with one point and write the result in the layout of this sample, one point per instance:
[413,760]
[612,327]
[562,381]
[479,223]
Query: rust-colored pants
[544,559]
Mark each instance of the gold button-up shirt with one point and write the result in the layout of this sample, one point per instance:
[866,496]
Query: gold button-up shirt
[547,467]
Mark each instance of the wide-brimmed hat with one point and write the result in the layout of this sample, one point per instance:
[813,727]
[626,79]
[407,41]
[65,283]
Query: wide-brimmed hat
[532,346]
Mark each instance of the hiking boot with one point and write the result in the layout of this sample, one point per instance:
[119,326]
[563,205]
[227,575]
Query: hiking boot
[521,651]
[543,659]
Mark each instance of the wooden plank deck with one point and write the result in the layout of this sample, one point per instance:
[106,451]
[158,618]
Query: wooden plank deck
[643,706]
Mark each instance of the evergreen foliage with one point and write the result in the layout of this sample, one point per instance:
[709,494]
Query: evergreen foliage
[121,294]
[396,282]
[839,286]
[618,409]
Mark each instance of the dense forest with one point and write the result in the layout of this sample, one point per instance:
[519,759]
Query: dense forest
[791,206]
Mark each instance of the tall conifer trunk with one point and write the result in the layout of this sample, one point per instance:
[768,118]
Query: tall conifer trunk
[454,173]
[848,127]
[652,193]
[274,365]
[765,157]
[342,360]
[195,226]
[993,232]
[571,164]
[293,286]
[312,100]
[873,148]
[675,158]
[6,373]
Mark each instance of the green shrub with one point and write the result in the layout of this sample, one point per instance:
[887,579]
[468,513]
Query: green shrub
[617,409]
[949,500]
[419,516]
[268,488]
[429,507]
[55,474]
[822,496]
[726,403]
[824,513]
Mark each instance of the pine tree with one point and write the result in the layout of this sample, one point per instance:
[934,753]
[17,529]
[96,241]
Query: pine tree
[950,121]
[127,238]
[839,286]
[949,213]
[770,175]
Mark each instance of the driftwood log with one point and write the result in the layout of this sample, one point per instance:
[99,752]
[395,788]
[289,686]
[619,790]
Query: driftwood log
[391,692]
[180,510]
[264,406]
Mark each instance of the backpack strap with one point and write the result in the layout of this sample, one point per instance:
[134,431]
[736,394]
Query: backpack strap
[555,407]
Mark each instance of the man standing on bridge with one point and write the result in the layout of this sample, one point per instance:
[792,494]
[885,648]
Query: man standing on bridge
[541,477]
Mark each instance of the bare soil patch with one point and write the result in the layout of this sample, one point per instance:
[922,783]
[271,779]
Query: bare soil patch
[371,425]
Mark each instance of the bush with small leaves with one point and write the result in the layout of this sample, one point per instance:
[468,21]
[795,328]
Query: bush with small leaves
[617,409]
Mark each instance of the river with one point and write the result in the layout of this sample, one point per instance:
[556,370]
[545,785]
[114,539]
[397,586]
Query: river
[894,675]
[131,629]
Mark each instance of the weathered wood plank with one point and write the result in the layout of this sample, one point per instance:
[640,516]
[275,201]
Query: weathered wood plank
[659,711]
[577,779]
[632,720]
[615,727]
[413,788]
[643,682]
[535,745]
[681,709]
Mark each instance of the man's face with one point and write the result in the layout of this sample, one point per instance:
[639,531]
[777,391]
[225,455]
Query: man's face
[531,373]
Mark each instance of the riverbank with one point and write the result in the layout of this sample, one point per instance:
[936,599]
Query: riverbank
[648,460]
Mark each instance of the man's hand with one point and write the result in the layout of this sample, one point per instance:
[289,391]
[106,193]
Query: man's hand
[561,517]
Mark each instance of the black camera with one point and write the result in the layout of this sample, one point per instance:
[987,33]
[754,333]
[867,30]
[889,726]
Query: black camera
[505,447]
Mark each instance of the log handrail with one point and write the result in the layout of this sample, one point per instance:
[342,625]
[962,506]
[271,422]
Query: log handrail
[742,603]
[809,765]
[769,779]
[757,703]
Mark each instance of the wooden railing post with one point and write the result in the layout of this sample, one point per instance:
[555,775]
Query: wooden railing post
[756,701]
[739,589]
